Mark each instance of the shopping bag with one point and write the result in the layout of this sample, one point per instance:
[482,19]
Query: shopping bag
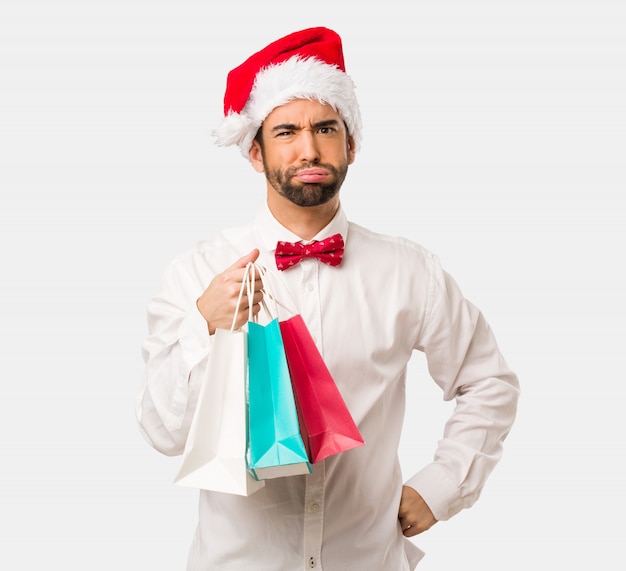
[275,445]
[326,424]
[214,457]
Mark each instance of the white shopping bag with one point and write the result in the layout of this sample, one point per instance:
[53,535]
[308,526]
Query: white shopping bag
[215,452]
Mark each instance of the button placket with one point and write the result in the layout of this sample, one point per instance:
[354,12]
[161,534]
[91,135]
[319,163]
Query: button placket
[314,516]
[315,482]
[310,307]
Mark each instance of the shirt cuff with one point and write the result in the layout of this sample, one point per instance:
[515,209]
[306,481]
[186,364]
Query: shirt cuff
[438,491]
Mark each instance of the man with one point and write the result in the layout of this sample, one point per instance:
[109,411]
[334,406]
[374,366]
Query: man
[292,110]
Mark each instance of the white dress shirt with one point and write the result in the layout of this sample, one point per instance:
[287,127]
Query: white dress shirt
[388,298]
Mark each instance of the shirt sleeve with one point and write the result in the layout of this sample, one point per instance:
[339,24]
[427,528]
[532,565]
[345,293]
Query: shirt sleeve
[175,355]
[465,361]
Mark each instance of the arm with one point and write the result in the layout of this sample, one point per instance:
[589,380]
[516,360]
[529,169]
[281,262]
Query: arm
[464,360]
[180,324]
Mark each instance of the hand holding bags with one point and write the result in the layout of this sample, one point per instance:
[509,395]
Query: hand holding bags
[275,445]
[215,453]
[326,424]
[267,406]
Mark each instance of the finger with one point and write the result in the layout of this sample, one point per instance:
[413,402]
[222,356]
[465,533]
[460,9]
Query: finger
[245,260]
[257,297]
[256,308]
[404,525]
[410,531]
[243,314]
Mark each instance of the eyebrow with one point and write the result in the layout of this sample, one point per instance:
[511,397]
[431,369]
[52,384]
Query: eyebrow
[294,127]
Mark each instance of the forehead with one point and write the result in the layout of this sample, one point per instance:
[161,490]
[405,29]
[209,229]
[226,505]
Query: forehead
[301,112]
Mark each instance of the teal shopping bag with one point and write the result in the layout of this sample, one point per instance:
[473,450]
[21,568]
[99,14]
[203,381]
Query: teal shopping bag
[275,445]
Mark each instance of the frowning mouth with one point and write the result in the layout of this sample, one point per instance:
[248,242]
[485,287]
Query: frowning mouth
[311,175]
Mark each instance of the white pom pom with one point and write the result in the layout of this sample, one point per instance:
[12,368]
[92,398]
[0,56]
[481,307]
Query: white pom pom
[232,130]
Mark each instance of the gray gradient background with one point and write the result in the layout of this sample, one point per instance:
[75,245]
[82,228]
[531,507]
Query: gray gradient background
[495,135]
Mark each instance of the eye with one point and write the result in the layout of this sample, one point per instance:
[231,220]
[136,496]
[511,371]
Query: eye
[327,130]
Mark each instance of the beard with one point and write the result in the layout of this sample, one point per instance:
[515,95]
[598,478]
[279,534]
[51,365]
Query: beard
[303,194]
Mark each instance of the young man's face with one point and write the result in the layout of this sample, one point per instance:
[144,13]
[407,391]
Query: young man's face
[305,152]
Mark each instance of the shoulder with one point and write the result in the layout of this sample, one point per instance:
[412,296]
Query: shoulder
[390,248]
[216,253]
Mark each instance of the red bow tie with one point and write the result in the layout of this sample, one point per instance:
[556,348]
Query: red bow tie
[329,250]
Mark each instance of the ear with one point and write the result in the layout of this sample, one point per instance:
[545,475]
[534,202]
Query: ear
[351,149]
[256,157]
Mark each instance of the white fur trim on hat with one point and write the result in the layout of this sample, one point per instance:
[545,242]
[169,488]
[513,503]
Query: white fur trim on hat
[277,84]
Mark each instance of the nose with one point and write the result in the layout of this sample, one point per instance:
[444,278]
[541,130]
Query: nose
[309,148]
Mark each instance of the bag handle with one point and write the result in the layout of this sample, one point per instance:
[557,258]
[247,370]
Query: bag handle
[270,309]
[248,281]
[264,272]
[247,285]
[271,293]
[244,286]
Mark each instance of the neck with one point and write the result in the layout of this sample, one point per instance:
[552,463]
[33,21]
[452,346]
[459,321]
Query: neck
[305,222]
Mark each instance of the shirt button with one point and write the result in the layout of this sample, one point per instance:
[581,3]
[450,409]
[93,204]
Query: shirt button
[314,508]
[312,562]
[310,287]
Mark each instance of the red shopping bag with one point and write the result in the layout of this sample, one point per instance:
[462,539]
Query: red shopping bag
[326,425]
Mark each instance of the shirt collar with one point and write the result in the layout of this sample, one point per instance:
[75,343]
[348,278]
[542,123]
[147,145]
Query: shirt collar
[272,231]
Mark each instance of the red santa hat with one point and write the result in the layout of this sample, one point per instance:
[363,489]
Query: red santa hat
[304,65]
